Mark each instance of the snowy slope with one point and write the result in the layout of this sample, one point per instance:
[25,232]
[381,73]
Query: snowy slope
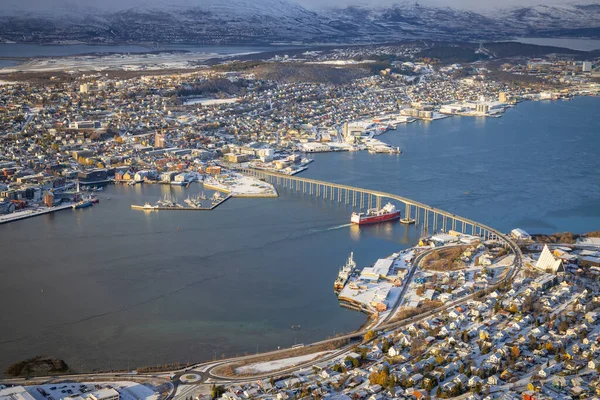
[264,21]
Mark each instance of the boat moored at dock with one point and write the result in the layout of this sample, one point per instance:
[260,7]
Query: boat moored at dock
[344,274]
[82,204]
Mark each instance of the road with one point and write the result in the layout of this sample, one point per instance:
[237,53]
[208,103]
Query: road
[206,369]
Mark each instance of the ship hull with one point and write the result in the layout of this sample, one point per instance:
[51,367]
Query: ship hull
[377,219]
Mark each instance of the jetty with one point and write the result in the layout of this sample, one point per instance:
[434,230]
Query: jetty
[28,213]
[178,207]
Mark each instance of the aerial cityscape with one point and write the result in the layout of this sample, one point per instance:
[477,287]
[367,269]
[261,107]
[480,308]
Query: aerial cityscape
[280,199]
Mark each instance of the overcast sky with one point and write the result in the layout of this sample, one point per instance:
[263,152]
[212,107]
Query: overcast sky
[478,5]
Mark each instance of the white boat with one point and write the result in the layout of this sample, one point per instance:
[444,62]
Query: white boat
[344,274]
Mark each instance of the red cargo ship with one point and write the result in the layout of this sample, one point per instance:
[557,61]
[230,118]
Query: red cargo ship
[373,216]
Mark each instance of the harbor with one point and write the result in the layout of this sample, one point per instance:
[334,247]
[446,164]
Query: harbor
[192,204]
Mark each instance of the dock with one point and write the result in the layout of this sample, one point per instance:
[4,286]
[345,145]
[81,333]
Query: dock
[19,215]
[182,208]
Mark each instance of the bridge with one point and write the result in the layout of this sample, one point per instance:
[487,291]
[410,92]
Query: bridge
[360,199]
[430,218]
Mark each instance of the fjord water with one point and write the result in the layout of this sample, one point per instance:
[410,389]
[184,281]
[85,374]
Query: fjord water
[49,50]
[109,287]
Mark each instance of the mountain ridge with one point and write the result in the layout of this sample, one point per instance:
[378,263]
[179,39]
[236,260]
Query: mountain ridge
[267,21]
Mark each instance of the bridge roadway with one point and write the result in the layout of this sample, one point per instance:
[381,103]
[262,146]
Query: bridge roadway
[344,193]
[363,199]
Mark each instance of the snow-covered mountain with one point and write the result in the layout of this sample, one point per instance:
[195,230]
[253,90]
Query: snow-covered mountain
[265,21]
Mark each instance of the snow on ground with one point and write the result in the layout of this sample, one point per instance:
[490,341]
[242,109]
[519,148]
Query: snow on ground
[269,366]
[589,241]
[128,390]
[129,62]
[506,261]
[240,185]
[135,391]
[210,102]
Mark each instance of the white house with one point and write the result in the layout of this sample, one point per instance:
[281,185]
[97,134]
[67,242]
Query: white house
[394,351]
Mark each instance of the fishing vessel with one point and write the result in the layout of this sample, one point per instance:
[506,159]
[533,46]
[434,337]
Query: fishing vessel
[166,201]
[344,274]
[216,198]
[374,215]
[82,204]
[193,201]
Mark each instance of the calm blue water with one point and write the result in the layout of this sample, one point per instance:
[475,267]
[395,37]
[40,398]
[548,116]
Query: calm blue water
[110,287]
[8,63]
[569,43]
[536,167]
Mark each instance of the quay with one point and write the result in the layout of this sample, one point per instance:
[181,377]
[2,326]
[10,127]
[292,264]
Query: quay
[161,208]
[19,215]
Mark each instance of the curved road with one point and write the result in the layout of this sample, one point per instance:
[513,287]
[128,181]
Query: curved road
[205,369]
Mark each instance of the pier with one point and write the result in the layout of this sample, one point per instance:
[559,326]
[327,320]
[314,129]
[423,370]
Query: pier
[180,208]
[19,215]
[430,219]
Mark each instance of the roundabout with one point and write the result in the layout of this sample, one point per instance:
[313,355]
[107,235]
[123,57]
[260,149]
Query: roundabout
[190,378]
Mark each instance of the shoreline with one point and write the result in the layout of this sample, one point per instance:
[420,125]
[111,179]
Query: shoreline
[8,218]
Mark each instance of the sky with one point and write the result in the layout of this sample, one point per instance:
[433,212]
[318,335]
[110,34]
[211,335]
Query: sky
[478,5]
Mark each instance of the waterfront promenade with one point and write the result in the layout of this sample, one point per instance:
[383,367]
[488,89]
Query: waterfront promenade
[20,215]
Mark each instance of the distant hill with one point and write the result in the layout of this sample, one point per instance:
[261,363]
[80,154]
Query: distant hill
[267,21]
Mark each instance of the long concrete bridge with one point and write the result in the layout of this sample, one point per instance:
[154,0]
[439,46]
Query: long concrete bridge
[430,218]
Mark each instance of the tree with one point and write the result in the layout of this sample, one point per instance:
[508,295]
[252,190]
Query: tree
[217,391]
[391,383]
[370,335]
[363,353]
[465,336]
[496,307]
[353,360]
[416,346]
[380,378]
[515,352]
[385,345]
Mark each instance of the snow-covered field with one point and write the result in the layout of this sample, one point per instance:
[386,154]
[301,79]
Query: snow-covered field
[210,102]
[269,366]
[127,62]
[240,186]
